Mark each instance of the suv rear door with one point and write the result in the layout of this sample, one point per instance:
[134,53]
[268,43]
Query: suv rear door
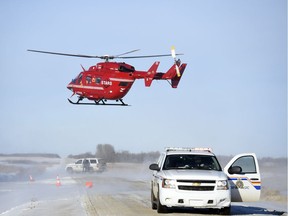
[93,164]
[245,183]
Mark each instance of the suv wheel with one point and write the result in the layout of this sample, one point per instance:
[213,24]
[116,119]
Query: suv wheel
[69,170]
[153,200]
[161,208]
[225,211]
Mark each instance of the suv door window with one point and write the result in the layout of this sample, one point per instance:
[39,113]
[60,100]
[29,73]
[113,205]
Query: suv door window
[160,160]
[79,162]
[247,164]
[92,161]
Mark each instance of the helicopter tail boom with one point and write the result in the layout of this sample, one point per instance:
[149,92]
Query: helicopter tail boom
[174,74]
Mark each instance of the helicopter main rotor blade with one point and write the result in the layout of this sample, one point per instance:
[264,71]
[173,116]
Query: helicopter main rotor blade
[147,56]
[106,57]
[116,56]
[65,54]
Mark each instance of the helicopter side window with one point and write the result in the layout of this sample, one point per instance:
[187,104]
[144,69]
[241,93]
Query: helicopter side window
[88,79]
[98,80]
[122,68]
[80,79]
[123,83]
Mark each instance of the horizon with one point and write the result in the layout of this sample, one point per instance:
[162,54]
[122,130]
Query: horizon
[28,154]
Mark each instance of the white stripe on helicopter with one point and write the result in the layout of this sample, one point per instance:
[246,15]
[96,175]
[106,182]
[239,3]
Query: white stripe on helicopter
[85,87]
[121,80]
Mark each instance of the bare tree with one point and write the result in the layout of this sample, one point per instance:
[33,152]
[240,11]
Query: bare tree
[105,151]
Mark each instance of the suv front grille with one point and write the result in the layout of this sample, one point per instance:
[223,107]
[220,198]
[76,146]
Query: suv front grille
[197,181]
[196,185]
[196,188]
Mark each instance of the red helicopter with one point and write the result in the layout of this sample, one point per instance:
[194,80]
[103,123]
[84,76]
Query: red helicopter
[112,80]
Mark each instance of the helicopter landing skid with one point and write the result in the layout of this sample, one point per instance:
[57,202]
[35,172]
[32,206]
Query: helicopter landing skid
[99,102]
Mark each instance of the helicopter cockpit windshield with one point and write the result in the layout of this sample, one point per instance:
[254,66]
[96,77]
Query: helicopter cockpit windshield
[77,79]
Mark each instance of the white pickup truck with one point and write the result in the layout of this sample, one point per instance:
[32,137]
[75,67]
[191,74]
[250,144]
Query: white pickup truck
[87,165]
[193,177]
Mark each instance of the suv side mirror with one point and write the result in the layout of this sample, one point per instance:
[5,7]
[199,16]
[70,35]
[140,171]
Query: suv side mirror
[154,167]
[235,170]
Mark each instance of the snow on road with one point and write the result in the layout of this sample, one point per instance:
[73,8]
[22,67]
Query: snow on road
[124,189]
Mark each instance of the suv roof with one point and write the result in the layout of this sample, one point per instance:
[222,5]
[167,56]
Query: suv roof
[202,151]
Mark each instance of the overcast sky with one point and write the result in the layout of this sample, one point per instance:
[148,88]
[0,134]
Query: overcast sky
[232,98]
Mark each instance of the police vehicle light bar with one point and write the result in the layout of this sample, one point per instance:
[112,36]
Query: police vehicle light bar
[187,149]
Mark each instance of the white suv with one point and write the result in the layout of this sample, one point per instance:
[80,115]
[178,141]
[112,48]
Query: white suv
[193,177]
[87,165]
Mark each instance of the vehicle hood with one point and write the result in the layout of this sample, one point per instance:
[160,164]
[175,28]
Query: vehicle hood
[194,174]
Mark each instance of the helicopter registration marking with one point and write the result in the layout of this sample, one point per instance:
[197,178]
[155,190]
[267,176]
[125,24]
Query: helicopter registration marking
[106,82]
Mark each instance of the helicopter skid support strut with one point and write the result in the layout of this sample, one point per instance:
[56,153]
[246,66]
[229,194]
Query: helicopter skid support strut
[99,102]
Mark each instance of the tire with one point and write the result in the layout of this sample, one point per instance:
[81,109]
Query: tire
[69,170]
[153,199]
[161,208]
[225,211]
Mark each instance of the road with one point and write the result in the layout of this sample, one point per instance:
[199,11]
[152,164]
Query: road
[124,189]
[127,192]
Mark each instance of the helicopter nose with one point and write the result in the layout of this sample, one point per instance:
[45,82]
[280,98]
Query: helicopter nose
[70,86]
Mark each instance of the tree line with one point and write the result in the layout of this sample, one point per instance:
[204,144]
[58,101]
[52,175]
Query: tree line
[108,153]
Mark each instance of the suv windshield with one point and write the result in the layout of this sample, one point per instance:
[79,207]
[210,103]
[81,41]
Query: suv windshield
[182,161]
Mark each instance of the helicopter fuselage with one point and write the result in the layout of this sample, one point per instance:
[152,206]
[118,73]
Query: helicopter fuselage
[113,80]
[106,80]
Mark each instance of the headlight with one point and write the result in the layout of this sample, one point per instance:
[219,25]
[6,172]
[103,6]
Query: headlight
[222,185]
[169,183]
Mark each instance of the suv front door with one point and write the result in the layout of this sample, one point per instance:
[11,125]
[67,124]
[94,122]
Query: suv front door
[79,166]
[245,184]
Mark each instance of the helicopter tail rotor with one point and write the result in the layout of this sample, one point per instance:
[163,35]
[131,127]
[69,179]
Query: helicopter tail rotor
[177,62]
